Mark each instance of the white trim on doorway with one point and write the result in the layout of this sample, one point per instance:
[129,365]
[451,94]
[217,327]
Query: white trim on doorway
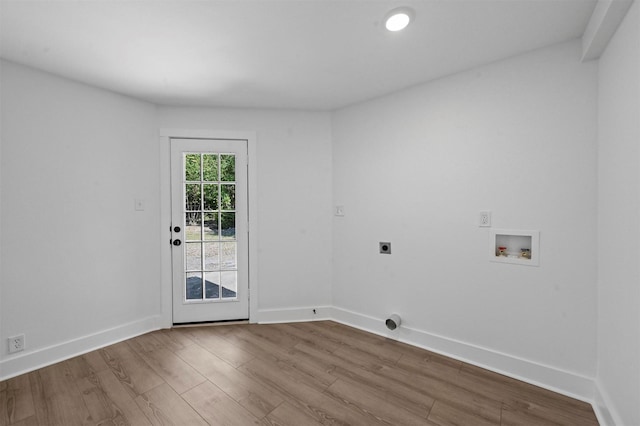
[165,212]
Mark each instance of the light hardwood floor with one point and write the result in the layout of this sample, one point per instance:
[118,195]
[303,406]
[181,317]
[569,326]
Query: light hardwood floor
[284,374]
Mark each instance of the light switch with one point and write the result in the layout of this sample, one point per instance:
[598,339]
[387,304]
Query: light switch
[139,204]
[339,211]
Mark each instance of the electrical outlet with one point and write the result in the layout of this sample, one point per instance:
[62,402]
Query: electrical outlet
[484,218]
[385,248]
[16,343]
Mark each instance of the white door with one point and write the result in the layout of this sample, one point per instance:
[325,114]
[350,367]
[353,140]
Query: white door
[209,230]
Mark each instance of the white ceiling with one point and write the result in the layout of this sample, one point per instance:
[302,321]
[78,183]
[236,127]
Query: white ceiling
[302,54]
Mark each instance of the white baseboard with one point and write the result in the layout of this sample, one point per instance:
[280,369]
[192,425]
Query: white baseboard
[601,402]
[270,316]
[25,362]
[564,382]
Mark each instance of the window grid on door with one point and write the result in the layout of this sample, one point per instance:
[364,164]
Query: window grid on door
[210,249]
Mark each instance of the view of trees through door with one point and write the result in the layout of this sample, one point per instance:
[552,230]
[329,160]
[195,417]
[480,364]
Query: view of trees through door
[210,231]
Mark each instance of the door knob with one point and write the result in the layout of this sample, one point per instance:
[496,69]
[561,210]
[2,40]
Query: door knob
[176,229]
[177,242]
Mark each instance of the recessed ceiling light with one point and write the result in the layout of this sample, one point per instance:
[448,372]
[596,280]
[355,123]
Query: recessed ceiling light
[398,19]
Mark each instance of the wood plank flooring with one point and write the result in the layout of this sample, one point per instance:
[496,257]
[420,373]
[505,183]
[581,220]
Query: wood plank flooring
[319,373]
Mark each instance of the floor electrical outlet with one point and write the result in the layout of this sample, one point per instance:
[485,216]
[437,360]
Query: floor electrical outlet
[16,343]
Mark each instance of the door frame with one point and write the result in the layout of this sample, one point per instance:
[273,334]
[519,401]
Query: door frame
[166,276]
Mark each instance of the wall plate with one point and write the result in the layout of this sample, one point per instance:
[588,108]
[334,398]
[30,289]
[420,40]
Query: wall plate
[385,248]
[484,219]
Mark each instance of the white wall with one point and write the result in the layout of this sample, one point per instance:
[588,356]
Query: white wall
[619,222]
[79,266]
[517,137]
[294,199]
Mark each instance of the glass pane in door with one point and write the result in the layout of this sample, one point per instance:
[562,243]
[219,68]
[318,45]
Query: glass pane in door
[209,167]
[228,167]
[210,197]
[210,249]
[193,226]
[193,283]
[192,167]
[211,230]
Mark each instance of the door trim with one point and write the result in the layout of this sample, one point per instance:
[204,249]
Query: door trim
[166,295]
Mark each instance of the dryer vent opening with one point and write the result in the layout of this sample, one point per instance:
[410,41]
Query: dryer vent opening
[393,322]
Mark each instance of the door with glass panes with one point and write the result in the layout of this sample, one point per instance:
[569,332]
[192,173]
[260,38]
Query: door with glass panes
[209,230]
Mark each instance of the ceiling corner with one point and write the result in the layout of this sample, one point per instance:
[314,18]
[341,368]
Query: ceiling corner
[605,19]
